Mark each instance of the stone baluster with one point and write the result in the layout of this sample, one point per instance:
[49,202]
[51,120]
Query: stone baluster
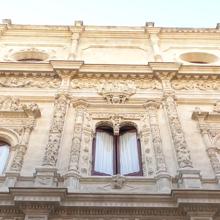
[73,174]
[163,179]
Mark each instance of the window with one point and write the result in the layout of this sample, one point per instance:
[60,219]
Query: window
[116,154]
[4,153]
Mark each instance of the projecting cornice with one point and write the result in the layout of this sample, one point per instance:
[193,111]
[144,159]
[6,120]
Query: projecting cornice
[80,69]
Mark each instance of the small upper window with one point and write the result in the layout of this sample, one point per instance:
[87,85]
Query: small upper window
[198,57]
[116,154]
[4,153]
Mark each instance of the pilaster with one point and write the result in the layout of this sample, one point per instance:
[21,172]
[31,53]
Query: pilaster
[188,177]
[73,175]
[163,178]
[47,174]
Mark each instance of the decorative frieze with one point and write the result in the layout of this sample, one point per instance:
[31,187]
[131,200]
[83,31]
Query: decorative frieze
[196,84]
[29,82]
[114,85]
[56,129]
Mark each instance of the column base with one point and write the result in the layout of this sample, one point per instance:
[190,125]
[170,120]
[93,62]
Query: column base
[164,182]
[189,178]
[11,178]
[46,177]
[71,181]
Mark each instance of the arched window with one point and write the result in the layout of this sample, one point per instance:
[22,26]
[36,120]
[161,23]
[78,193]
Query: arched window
[4,153]
[116,154]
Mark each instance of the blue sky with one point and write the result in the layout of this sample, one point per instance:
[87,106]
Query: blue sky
[168,13]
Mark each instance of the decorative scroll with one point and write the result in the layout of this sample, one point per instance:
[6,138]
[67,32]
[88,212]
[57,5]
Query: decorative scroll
[52,148]
[143,83]
[80,107]
[29,82]
[152,107]
[196,84]
[182,152]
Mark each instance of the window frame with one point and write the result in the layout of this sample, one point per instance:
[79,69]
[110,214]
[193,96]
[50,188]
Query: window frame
[3,143]
[116,151]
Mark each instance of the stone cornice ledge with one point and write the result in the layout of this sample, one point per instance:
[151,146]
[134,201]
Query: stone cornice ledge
[60,197]
[108,70]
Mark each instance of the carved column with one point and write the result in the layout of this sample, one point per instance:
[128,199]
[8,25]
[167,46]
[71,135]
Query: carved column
[73,170]
[45,174]
[187,175]
[163,179]
[21,150]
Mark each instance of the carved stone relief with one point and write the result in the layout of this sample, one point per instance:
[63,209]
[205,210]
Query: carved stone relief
[151,107]
[29,82]
[196,84]
[147,153]
[209,125]
[76,148]
[143,83]
[117,92]
[182,152]
[19,118]
[53,145]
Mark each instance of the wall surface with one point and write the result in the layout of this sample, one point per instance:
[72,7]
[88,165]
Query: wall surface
[58,83]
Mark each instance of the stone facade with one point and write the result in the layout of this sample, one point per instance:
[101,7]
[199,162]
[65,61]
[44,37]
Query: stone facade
[58,83]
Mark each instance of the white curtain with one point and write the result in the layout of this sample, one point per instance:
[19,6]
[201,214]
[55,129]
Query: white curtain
[4,152]
[129,162]
[104,153]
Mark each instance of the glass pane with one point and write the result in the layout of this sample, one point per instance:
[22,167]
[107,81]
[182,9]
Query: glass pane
[129,162]
[104,153]
[4,152]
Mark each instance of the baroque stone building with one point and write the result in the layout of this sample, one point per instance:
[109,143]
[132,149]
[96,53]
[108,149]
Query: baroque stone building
[109,123]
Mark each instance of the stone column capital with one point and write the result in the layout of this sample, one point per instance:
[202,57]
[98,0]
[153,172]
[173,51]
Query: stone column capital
[152,104]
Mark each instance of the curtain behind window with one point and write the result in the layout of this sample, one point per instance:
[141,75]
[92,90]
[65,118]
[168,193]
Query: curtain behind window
[104,153]
[4,152]
[129,162]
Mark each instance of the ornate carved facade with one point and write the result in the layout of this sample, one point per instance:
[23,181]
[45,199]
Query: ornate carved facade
[59,89]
